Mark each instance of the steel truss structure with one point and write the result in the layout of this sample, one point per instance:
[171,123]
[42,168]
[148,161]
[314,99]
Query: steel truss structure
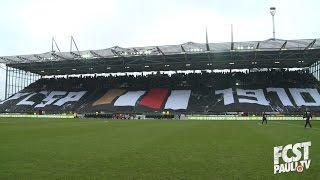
[314,69]
[21,70]
[17,79]
[271,53]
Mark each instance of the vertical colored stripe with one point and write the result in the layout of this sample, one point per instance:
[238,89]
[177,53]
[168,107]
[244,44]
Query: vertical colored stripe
[129,99]
[108,97]
[178,99]
[154,98]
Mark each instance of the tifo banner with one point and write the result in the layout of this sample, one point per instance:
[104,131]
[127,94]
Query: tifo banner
[268,99]
[154,98]
[178,99]
[108,97]
[14,97]
[57,98]
[129,99]
[282,95]
[257,96]
[297,94]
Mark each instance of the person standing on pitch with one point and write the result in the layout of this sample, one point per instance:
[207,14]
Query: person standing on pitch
[308,116]
[264,118]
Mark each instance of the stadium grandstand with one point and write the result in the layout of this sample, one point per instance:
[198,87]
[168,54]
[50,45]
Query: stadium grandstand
[276,76]
[151,108]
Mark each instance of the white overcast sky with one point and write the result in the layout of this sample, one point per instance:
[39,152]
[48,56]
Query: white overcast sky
[27,26]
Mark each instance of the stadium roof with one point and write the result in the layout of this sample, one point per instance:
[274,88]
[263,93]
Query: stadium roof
[271,53]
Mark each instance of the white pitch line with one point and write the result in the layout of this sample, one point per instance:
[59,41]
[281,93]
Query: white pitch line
[295,125]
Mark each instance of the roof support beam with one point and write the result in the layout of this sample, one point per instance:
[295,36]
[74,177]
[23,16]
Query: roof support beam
[258,46]
[115,53]
[159,50]
[135,51]
[232,46]
[23,59]
[232,43]
[283,47]
[72,41]
[95,54]
[182,48]
[163,55]
[75,55]
[38,57]
[54,44]
[311,44]
[56,56]
[207,41]
[184,52]
[5,60]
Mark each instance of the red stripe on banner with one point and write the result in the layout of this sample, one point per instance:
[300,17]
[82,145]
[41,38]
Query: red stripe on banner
[154,98]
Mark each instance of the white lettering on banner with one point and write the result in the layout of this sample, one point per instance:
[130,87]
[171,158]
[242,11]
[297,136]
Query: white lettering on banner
[71,97]
[50,98]
[300,101]
[44,93]
[255,93]
[282,95]
[14,97]
[227,95]
[26,101]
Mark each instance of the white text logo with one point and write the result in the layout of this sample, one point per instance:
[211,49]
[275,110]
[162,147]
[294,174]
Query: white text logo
[292,157]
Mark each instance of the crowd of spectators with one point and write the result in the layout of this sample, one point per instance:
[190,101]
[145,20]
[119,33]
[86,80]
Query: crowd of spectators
[177,80]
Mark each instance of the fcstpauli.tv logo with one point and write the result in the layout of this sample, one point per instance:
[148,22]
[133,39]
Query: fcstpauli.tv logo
[292,157]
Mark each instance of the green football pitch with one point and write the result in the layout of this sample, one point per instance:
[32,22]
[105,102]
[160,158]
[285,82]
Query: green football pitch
[149,149]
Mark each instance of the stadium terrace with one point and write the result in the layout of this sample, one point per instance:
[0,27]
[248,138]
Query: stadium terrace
[259,78]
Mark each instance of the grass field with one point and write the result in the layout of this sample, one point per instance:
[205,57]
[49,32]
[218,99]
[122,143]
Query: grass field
[149,149]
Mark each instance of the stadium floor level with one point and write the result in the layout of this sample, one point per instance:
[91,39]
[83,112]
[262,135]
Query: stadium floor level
[33,148]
